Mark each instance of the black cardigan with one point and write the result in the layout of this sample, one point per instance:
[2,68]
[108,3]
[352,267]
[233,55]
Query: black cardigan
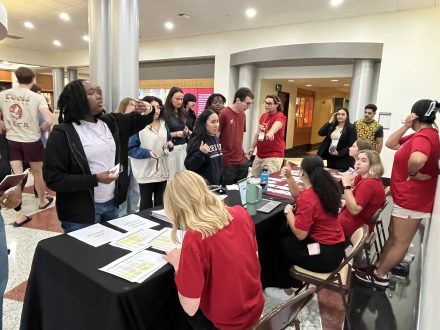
[66,170]
[348,136]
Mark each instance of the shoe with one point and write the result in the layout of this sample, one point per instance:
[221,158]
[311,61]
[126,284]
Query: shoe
[370,277]
[26,220]
[50,200]
[365,268]
[278,294]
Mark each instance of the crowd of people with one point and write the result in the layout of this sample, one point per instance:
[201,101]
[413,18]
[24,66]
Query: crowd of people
[147,153]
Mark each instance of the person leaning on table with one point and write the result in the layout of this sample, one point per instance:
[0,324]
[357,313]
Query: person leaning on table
[217,275]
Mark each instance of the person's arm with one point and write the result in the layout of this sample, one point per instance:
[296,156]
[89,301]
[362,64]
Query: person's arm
[135,150]
[324,130]
[195,158]
[379,144]
[12,198]
[291,218]
[351,138]
[286,171]
[393,141]
[254,144]
[275,128]
[350,200]
[47,117]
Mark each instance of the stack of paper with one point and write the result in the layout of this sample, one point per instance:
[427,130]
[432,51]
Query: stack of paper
[163,241]
[160,214]
[136,240]
[96,235]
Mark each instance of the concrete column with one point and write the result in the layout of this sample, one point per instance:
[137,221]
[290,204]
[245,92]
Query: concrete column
[361,87]
[124,50]
[72,74]
[99,48]
[246,78]
[58,84]
[375,85]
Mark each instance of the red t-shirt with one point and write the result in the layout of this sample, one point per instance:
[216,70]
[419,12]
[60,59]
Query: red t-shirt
[310,216]
[232,128]
[369,193]
[416,195]
[224,272]
[275,148]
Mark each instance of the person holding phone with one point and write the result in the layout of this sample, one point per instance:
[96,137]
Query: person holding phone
[340,135]
[82,149]
[313,238]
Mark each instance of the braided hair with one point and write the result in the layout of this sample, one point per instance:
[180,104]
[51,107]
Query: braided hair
[322,183]
[73,103]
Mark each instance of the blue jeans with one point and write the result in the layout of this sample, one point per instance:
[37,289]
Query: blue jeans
[72,226]
[133,196]
[3,266]
[106,211]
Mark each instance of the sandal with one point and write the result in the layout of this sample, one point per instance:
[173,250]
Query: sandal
[26,220]
[50,200]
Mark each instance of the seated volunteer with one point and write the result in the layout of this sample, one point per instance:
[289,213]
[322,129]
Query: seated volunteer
[204,151]
[314,238]
[365,196]
[217,287]
[81,151]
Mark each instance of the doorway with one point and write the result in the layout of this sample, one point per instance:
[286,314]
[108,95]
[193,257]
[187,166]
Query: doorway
[285,98]
[303,117]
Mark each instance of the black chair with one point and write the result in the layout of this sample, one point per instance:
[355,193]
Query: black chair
[286,313]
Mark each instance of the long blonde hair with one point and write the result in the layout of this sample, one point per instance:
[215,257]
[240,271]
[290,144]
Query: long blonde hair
[123,105]
[190,205]
[376,168]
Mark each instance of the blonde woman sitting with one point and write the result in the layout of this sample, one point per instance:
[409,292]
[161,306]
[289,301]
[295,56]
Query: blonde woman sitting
[218,259]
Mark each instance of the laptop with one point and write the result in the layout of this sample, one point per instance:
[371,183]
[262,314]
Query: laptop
[264,206]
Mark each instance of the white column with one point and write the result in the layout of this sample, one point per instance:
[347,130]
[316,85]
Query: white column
[3,22]
[58,84]
[246,78]
[99,48]
[72,74]
[124,50]
[361,87]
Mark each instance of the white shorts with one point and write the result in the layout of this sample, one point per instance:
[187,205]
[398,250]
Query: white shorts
[400,212]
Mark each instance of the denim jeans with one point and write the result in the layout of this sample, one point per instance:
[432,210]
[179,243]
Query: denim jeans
[72,226]
[3,266]
[133,196]
[106,211]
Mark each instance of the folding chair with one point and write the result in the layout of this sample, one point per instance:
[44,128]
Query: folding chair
[379,225]
[286,313]
[339,280]
[372,238]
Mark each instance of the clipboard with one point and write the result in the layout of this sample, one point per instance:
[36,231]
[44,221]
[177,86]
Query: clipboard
[11,180]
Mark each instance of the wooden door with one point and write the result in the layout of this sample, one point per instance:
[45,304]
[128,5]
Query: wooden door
[303,117]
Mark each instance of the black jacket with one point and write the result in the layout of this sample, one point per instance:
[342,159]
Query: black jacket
[66,170]
[343,160]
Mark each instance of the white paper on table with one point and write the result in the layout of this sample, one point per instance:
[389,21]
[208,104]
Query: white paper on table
[135,240]
[96,235]
[160,214]
[163,241]
[132,222]
[232,187]
[221,197]
[135,266]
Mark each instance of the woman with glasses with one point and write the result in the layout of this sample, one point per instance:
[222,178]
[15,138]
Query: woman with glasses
[148,151]
[215,102]
[340,135]
[204,153]
[269,139]
[175,118]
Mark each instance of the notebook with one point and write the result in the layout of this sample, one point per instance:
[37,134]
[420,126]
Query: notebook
[264,206]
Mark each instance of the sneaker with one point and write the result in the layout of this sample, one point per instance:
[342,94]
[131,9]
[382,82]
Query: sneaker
[367,268]
[371,277]
[278,294]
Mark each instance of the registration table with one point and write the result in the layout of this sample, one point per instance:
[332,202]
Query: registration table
[67,291]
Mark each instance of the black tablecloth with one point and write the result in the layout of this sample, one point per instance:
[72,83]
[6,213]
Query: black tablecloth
[67,291]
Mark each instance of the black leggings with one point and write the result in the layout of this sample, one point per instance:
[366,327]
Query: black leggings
[200,322]
[147,190]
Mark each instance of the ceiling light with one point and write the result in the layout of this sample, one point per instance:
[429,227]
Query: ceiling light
[56,43]
[6,63]
[335,3]
[334,80]
[308,85]
[251,13]
[65,17]
[169,25]
[28,25]
[291,80]
[86,38]
[346,85]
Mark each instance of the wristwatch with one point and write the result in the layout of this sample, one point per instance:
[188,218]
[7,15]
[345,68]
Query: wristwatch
[347,187]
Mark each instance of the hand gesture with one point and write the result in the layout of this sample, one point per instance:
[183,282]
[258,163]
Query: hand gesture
[106,177]
[419,176]
[270,136]
[332,151]
[204,147]
[332,118]
[409,119]
[173,257]
[153,155]
[143,108]
[185,131]
[346,179]
[286,171]
[12,198]
[250,152]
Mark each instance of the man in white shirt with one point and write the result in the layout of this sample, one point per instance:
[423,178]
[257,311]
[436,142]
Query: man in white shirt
[20,108]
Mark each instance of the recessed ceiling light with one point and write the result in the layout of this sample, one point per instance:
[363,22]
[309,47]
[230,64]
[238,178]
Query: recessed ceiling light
[251,13]
[335,3]
[64,17]
[291,80]
[86,38]
[334,80]
[308,85]
[56,43]
[28,25]
[169,25]
[346,85]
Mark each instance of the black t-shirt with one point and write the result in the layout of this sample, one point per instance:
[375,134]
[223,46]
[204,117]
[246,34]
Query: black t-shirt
[174,125]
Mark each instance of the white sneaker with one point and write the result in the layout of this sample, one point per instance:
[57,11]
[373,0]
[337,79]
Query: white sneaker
[278,294]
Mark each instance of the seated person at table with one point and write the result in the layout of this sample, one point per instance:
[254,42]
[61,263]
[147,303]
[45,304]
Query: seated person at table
[365,196]
[204,152]
[357,147]
[217,269]
[313,238]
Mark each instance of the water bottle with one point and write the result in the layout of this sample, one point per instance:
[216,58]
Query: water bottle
[264,178]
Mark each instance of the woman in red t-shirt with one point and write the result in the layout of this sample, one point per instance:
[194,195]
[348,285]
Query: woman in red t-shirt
[366,195]
[314,240]
[218,259]
[413,185]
